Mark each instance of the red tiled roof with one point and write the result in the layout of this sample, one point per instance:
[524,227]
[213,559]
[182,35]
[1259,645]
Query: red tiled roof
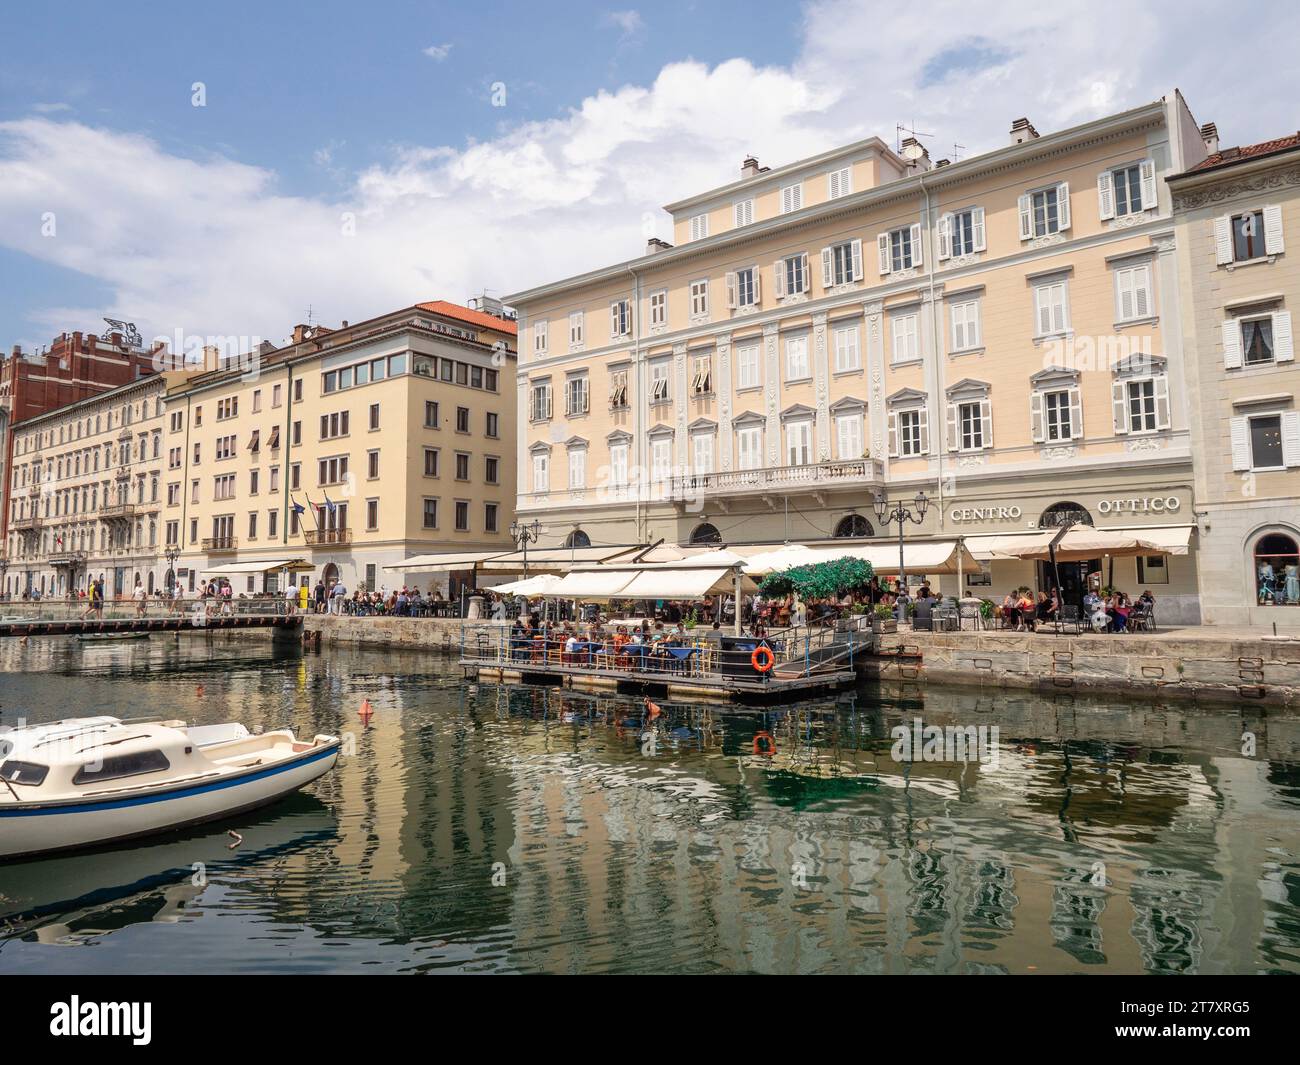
[1249,151]
[467,314]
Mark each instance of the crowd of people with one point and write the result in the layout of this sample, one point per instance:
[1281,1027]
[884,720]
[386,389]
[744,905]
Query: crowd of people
[1110,612]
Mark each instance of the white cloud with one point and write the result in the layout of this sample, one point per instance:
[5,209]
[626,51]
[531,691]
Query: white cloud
[215,246]
[438,52]
[629,23]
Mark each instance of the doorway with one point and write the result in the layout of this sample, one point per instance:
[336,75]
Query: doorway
[1073,579]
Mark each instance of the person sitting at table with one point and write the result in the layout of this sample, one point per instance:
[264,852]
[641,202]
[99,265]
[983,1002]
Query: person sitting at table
[1010,611]
[1025,607]
[1119,611]
[1044,610]
[923,615]
[571,647]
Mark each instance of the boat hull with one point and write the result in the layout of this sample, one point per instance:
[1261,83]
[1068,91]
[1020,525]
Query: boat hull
[45,828]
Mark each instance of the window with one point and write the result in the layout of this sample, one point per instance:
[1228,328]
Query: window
[297,391]
[541,472]
[194,491]
[659,308]
[848,437]
[749,447]
[431,462]
[661,459]
[620,319]
[909,431]
[372,515]
[1133,292]
[462,466]
[702,453]
[699,226]
[961,233]
[540,333]
[796,359]
[970,426]
[743,288]
[907,343]
[252,525]
[1142,405]
[333,425]
[492,470]
[430,513]
[577,468]
[791,198]
[174,494]
[700,299]
[223,486]
[493,426]
[839,183]
[540,407]
[272,523]
[1266,441]
[227,408]
[462,515]
[577,325]
[1277,566]
[372,465]
[798,443]
[618,465]
[617,389]
[848,356]
[295,476]
[116,766]
[743,212]
[702,377]
[965,325]
[489,517]
[1258,340]
[275,479]
[900,249]
[659,392]
[253,479]
[295,434]
[1056,415]
[842,263]
[276,395]
[430,414]
[175,421]
[374,416]
[747,372]
[1051,309]
[577,394]
[333,470]
[1045,212]
[791,275]
[1127,190]
[1242,238]
[198,418]
[1152,569]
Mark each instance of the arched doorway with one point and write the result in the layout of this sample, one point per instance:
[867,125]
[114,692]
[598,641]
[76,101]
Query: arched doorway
[1277,570]
[169,581]
[577,538]
[1071,578]
[853,525]
[330,575]
[706,533]
[149,589]
[1059,514]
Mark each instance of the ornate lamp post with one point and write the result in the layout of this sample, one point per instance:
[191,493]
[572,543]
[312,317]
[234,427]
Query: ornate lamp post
[172,553]
[901,513]
[523,535]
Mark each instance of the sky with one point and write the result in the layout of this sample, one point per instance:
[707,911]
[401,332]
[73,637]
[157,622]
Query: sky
[228,169]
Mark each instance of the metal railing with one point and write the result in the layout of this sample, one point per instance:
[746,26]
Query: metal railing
[819,474]
[321,537]
[221,543]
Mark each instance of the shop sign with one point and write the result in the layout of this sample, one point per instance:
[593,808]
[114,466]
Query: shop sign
[1140,505]
[960,514]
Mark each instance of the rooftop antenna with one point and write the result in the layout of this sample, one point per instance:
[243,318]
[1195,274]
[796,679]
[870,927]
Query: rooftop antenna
[957,149]
[309,314]
[900,129]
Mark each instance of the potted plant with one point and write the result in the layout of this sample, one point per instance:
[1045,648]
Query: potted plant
[883,619]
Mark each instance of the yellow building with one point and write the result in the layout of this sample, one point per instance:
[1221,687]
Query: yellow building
[1235,214]
[1002,332]
[85,487]
[350,448]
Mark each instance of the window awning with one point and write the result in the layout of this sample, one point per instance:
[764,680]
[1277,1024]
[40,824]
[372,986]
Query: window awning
[591,584]
[1172,539]
[446,560]
[230,569]
[559,559]
[1080,543]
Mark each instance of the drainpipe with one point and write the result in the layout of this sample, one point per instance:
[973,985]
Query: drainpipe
[936,327]
[637,426]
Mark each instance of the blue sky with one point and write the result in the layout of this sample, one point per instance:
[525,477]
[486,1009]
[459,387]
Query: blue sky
[225,217]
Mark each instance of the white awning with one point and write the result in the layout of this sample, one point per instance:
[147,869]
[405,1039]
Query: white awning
[592,584]
[230,569]
[1005,545]
[443,561]
[672,582]
[557,559]
[930,557]
[530,587]
[1172,539]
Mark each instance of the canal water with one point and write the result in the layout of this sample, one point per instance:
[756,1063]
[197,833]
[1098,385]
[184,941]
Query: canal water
[477,828]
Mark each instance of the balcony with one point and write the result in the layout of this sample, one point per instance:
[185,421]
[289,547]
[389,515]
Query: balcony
[816,478]
[215,544]
[28,524]
[325,537]
[116,511]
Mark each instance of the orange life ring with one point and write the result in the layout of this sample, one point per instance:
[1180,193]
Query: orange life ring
[764,745]
[768,658]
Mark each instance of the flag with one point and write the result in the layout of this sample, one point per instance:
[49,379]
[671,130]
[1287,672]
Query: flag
[298,508]
[329,505]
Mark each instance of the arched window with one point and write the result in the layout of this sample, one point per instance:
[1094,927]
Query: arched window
[577,538]
[853,525]
[1059,514]
[1277,570]
[706,534]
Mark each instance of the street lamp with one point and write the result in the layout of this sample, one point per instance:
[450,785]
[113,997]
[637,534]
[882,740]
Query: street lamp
[902,514]
[523,535]
[172,553]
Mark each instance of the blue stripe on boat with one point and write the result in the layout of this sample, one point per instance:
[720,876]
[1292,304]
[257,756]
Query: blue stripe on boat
[183,793]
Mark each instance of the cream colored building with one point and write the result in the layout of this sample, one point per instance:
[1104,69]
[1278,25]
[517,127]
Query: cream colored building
[1237,216]
[86,483]
[1002,332]
[351,449]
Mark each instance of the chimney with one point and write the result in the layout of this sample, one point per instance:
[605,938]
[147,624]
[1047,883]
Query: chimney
[1210,134]
[749,168]
[654,246]
[1023,130]
[916,154]
[942,162]
[300,333]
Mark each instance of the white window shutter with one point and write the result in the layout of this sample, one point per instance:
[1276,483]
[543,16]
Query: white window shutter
[986,417]
[1239,433]
[1291,438]
[1076,413]
[1223,240]
[1106,195]
[778,273]
[1119,406]
[758,281]
[1162,401]
[945,237]
[893,434]
[731,290]
[804,279]
[1232,344]
[977,229]
[1273,242]
[613,319]
[918,258]
[1283,343]
[1036,417]
[923,423]
[1063,204]
[1147,170]
[1026,217]
[1142,291]
[952,426]
[857,260]
[828,269]
[882,246]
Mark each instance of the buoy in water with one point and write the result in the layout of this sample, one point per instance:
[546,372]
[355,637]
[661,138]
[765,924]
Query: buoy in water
[199,691]
[365,713]
[652,710]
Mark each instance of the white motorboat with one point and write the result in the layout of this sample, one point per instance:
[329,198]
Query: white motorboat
[83,782]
